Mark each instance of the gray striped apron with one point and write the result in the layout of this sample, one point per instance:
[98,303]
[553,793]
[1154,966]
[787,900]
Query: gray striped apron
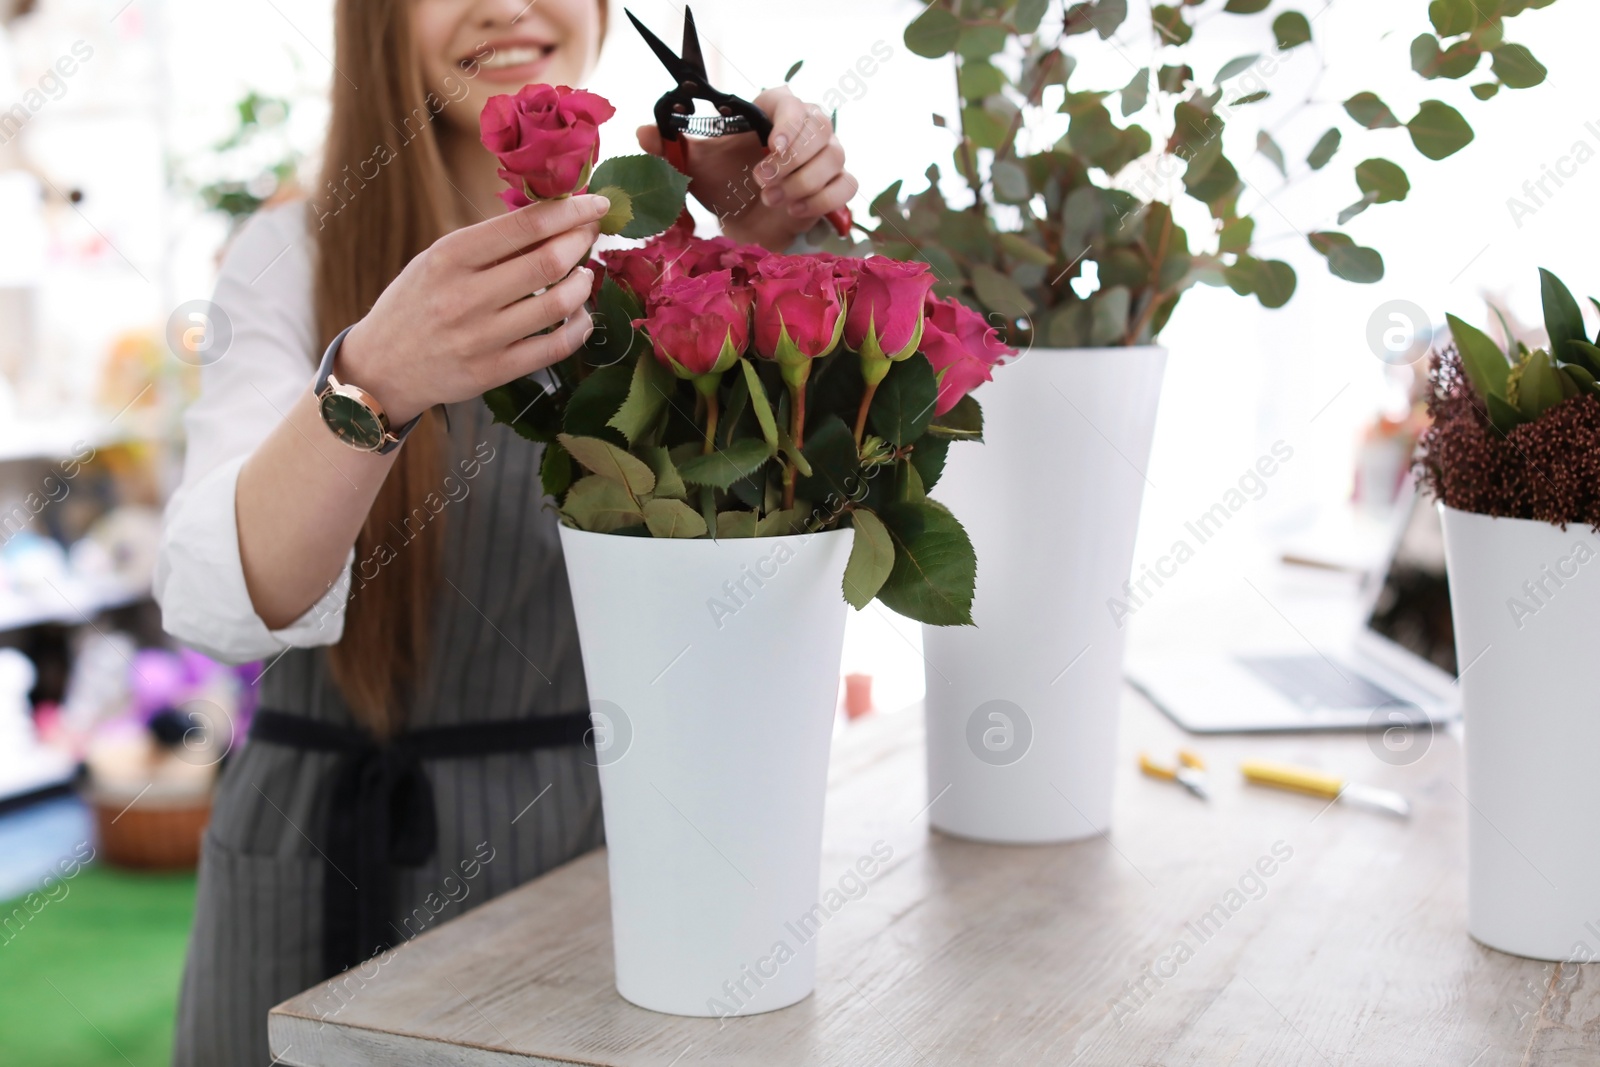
[506,647]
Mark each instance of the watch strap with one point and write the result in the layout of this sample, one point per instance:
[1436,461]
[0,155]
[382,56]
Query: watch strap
[320,386]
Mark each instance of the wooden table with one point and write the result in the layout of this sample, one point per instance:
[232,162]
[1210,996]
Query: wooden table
[1115,950]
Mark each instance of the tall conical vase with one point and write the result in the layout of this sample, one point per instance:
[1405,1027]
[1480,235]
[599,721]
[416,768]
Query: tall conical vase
[1525,599]
[1022,709]
[713,676]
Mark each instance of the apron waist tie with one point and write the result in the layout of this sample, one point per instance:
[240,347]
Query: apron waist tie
[381,812]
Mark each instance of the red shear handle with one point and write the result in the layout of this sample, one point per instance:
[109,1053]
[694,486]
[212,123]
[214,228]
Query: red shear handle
[676,152]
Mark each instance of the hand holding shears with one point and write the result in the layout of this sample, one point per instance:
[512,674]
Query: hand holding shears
[765,189]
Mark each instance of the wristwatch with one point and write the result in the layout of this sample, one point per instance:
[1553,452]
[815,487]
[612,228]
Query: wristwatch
[353,414]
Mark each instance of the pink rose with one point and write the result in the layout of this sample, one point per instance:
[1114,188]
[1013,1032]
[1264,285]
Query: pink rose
[639,270]
[699,325]
[722,253]
[547,138]
[962,347]
[885,318]
[798,298]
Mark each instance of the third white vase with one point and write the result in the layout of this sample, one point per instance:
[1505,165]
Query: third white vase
[1022,709]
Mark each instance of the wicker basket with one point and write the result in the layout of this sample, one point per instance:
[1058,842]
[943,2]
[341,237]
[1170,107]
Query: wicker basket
[151,834]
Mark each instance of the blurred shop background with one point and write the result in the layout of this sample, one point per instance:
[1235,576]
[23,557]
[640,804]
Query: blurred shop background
[136,134]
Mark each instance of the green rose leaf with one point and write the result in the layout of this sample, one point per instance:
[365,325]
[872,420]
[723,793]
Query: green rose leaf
[1291,30]
[935,568]
[964,421]
[614,337]
[555,470]
[928,456]
[782,523]
[1324,149]
[736,524]
[933,33]
[1382,180]
[1515,65]
[608,461]
[1481,358]
[1371,112]
[760,404]
[903,405]
[871,559]
[655,190]
[721,469]
[651,387]
[1348,260]
[600,505]
[596,399]
[620,213]
[669,483]
[1438,130]
[673,518]
[527,407]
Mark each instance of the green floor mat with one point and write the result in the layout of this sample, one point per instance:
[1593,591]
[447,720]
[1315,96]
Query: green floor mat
[91,979]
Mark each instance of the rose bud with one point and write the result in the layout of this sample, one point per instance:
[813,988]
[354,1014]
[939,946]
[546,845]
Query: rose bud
[885,318]
[799,314]
[699,326]
[962,347]
[547,138]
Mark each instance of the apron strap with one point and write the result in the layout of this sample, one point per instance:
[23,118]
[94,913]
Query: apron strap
[381,811]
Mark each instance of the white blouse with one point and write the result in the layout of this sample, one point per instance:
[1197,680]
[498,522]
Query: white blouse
[264,294]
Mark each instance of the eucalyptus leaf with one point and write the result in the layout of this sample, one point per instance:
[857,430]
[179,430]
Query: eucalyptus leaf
[1269,148]
[1324,149]
[1236,66]
[1371,112]
[1136,93]
[1438,130]
[1382,180]
[1348,260]
[1515,66]
[933,33]
[999,293]
[1290,30]
[794,70]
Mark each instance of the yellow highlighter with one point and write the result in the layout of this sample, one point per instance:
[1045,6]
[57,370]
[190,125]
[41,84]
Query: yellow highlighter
[1322,784]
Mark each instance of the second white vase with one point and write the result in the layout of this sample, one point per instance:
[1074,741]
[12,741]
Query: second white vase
[1022,709]
[713,675]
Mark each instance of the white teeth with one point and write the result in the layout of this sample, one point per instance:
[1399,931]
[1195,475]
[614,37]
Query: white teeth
[512,57]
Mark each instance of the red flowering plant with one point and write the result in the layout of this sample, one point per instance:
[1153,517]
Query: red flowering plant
[731,392]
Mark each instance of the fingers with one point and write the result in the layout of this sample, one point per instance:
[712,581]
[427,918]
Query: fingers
[799,132]
[836,194]
[534,313]
[493,240]
[536,353]
[650,139]
[538,267]
[814,176]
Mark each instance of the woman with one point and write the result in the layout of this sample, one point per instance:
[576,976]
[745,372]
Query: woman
[414,594]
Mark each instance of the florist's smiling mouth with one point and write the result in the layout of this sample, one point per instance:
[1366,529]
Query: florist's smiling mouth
[508,58]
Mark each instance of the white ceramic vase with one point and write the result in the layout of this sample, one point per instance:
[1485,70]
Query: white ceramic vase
[1022,709]
[1525,597]
[713,675]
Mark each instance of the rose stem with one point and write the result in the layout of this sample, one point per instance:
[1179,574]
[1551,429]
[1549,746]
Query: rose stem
[861,415]
[797,432]
[711,423]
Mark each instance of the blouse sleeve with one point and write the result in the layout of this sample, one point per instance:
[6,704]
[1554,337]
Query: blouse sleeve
[262,317]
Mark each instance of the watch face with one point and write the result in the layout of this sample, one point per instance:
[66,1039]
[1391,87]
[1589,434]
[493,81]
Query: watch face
[352,421]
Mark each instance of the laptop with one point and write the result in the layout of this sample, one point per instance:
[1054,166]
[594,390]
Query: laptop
[1398,668]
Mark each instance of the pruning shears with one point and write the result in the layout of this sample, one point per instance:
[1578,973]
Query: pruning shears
[675,110]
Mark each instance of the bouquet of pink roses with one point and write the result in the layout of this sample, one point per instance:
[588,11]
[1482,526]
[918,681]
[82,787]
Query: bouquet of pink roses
[732,392]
